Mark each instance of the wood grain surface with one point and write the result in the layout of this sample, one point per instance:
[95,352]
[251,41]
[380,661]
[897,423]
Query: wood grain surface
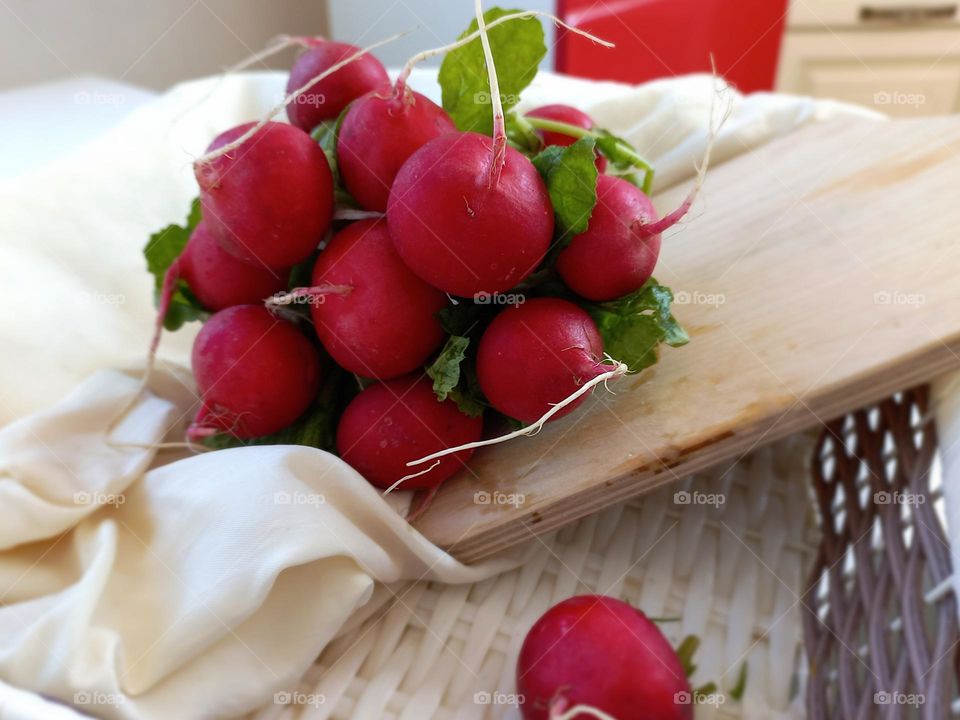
[817,274]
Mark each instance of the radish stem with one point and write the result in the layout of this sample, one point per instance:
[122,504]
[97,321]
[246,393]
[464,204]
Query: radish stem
[496,102]
[635,158]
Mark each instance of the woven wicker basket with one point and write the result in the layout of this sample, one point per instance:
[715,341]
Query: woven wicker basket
[881,620]
[850,618]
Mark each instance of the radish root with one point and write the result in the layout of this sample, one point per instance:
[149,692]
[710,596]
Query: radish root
[644,230]
[279,44]
[313,294]
[617,370]
[409,477]
[558,713]
[290,97]
[356,214]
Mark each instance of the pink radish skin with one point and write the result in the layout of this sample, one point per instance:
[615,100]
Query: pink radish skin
[616,255]
[269,201]
[219,280]
[386,324]
[391,423]
[571,116]
[255,373]
[534,355]
[326,99]
[603,653]
[466,221]
[378,134]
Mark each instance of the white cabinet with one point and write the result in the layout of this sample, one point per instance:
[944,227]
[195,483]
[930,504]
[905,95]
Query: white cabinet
[899,58]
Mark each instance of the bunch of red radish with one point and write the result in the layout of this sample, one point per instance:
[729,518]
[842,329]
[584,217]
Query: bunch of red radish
[396,232]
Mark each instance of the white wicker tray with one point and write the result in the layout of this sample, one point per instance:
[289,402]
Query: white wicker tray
[732,571]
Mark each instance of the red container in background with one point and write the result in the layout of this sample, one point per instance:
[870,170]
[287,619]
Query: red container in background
[662,38]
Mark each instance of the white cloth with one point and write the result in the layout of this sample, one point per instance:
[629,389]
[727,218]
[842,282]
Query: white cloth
[209,583]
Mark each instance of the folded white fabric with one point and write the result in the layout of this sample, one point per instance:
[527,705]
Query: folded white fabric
[198,590]
[201,587]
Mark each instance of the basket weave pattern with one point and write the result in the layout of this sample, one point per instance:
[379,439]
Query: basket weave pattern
[732,572]
[881,631]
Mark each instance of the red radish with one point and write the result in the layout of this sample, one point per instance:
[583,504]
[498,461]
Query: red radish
[255,373]
[377,135]
[327,99]
[218,279]
[385,325]
[270,200]
[568,115]
[602,653]
[463,226]
[535,355]
[616,254]
[391,423]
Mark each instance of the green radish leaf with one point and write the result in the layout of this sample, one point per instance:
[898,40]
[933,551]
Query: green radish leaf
[737,692]
[517,47]
[325,135]
[160,252]
[570,173]
[706,689]
[685,652]
[634,326]
[467,395]
[454,376]
[445,370]
[624,157]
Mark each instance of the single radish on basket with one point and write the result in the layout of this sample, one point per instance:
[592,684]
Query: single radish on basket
[564,115]
[537,354]
[268,199]
[255,373]
[600,654]
[327,98]
[391,423]
[379,320]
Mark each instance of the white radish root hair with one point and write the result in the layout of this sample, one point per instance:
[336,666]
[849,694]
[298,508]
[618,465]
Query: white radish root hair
[571,713]
[616,370]
[673,217]
[466,40]
[277,45]
[312,294]
[402,480]
[290,97]
[355,214]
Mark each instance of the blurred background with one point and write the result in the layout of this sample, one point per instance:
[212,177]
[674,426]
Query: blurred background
[95,60]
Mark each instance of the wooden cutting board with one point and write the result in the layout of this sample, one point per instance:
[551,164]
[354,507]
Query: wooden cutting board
[816,275]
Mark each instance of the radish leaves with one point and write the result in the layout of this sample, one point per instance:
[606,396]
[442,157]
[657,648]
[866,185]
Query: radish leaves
[633,326]
[570,173]
[517,48]
[161,250]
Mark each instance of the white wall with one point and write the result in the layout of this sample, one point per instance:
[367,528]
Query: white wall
[435,23]
[143,42]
